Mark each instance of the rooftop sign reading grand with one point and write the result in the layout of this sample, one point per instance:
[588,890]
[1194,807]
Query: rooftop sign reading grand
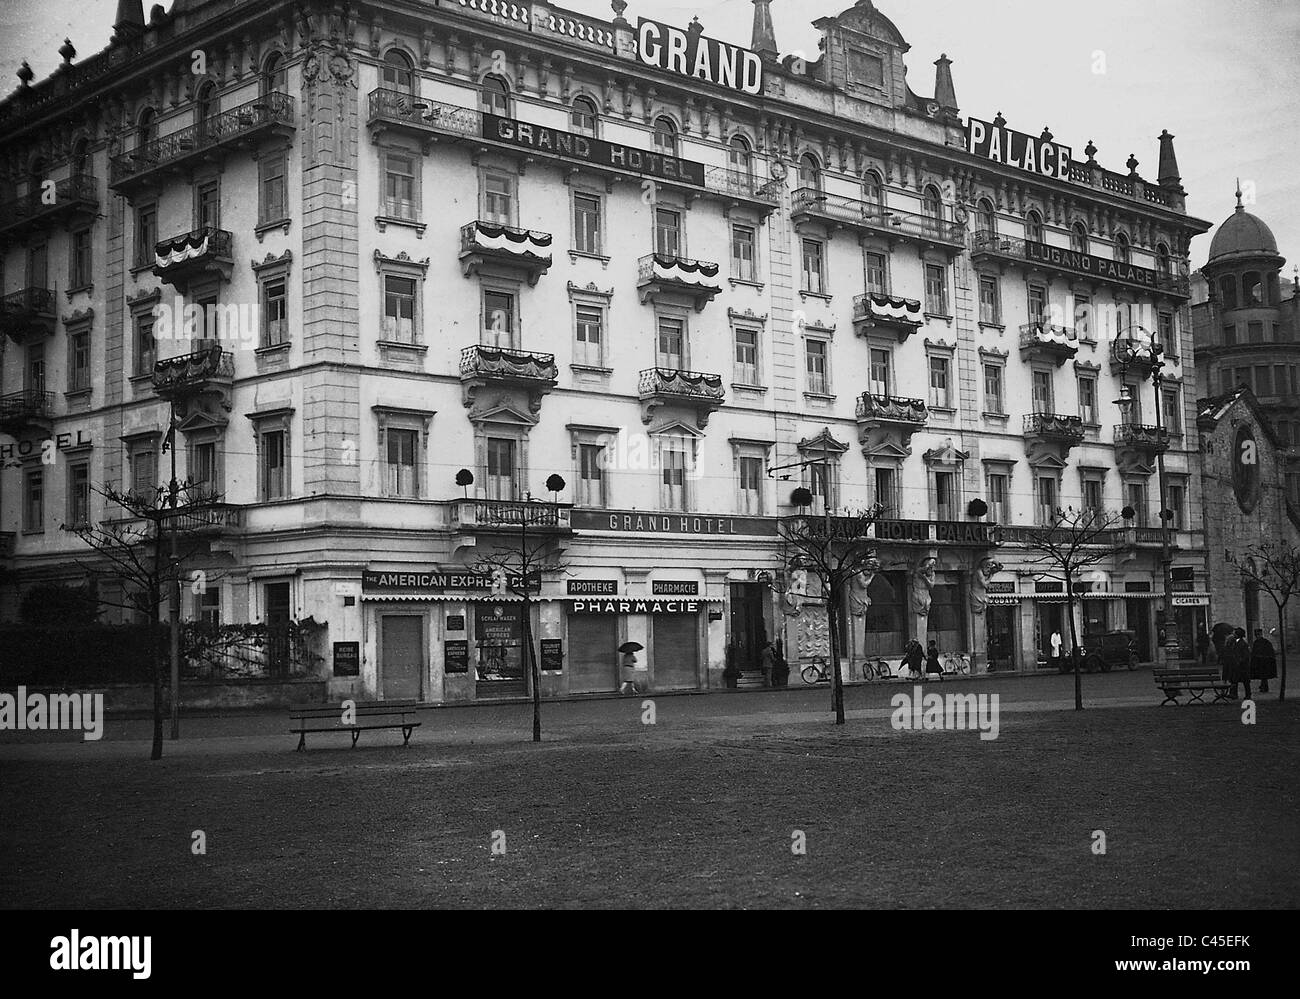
[597,152]
[1024,152]
[692,54]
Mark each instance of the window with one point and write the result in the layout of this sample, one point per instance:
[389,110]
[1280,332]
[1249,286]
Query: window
[873,193]
[1164,262]
[1280,378]
[275,77]
[208,201]
[399,309]
[1034,227]
[79,361]
[496,96]
[810,172]
[272,446]
[1092,493]
[38,266]
[1041,391]
[936,290]
[78,493]
[1123,254]
[203,464]
[999,490]
[945,495]
[395,73]
[1037,303]
[750,471]
[275,313]
[742,253]
[81,259]
[403,477]
[876,274]
[586,223]
[146,130]
[1165,331]
[879,372]
[1243,377]
[989,310]
[665,136]
[399,184]
[988,218]
[80,161]
[1046,493]
[866,69]
[1135,495]
[822,484]
[205,104]
[814,274]
[668,232]
[1229,335]
[739,156]
[1172,412]
[886,484]
[1252,290]
[994,389]
[589,336]
[1255,332]
[583,115]
[939,382]
[591,475]
[273,201]
[144,468]
[498,198]
[1228,291]
[1088,400]
[1263,380]
[207,605]
[36,367]
[146,234]
[747,357]
[1079,238]
[932,208]
[816,363]
[672,494]
[34,500]
[668,348]
[144,345]
[1176,504]
[498,318]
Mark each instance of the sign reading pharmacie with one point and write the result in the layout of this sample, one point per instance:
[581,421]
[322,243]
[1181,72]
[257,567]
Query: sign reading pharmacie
[437,580]
[1016,149]
[584,149]
[1087,264]
[692,54]
[635,605]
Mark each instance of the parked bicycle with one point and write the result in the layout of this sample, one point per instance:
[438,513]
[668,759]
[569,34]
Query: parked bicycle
[877,669]
[955,662]
[817,671]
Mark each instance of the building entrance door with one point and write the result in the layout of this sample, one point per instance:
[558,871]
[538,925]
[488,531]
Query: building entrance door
[1000,620]
[676,651]
[1139,622]
[748,632]
[401,656]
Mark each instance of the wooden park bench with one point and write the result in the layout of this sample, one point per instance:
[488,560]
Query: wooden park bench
[1195,680]
[329,718]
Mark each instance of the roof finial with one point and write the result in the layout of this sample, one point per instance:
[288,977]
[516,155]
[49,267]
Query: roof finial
[1240,206]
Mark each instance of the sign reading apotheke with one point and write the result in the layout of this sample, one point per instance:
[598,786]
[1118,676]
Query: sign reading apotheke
[694,55]
[597,152]
[1086,263]
[592,587]
[1024,152]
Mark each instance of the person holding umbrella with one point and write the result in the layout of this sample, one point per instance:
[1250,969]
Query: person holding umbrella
[1263,661]
[627,667]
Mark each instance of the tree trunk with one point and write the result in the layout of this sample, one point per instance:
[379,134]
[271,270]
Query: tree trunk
[1281,632]
[155,597]
[1074,646]
[832,626]
[533,671]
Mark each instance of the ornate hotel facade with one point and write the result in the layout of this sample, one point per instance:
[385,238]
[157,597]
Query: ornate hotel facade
[360,248]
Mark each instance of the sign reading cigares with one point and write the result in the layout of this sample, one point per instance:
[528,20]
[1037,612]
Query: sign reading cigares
[692,54]
[1024,152]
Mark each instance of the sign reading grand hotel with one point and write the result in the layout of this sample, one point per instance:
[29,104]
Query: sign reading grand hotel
[1024,152]
[597,152]
[1086,263]
[634,522]
[690,54]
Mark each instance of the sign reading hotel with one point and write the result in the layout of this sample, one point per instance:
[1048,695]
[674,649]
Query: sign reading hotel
[1086,263]
[692,54]
[1016,149]
[633,522]
[597,152]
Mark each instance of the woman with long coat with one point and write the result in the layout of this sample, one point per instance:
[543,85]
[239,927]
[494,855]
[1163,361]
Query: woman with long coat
[1263,661]
[1238,652]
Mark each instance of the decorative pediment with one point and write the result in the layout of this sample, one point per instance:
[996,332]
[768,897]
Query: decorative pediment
[591,289]
[943,345]
[503,411]
[1086,366]
[945,454]
[86,315]
[886,451]
[863,17]
[823,442]
[202,421]
[675,428]
[986,352]
[748,315]
[1047,461]
[271,261]
[402,260]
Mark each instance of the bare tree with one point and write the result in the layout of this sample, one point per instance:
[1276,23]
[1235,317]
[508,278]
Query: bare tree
[834,549]
[130,548]
[1276,569]
[1075,540]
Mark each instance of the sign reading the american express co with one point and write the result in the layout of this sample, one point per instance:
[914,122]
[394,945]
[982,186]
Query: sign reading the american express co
[585,149]
[665,47]
[1024,152]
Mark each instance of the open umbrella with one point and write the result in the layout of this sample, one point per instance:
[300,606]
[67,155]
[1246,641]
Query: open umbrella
[631,647]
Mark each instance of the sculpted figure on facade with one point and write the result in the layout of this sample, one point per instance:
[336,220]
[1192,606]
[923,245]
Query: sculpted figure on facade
[797,591]
[979,584]
[860,585]
[923,577]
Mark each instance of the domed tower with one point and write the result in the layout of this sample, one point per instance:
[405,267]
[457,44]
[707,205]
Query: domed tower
[1245,336]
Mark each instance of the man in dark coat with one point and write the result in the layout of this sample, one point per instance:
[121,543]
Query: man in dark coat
[914,656]
[1238,655]
[1221,637]
[1263,661]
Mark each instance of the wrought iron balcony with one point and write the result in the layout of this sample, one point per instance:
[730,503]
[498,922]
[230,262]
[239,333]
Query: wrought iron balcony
[1142,437]
[697,390]
[27,410]
[209,518]
[837,211]
[892,409]
[1058,343]
[69,199]
[190,374]
[269,115]
[668,277]
[200,253]
[419,116]
[901,315]
[742,187]
[27,314]
[491,247]
[488,515]
[504,364]
[986,245]
[1054,428]
[1074,264]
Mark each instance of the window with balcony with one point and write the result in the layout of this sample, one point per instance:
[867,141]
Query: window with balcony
[582,115]
[740,157]
[586,223]
[742,253]
[498,197]
[936,290]
[1135,495]
[945,495]
[396,73]
[34,500]
[1087,387]
[1092,492]
[401,192]
[1228,291]
[589,336]
[1083,317]
[402,472]
[207,202]
[822,479]
[873,193]
[79,163]
[665,136]
[205,105]
[670,343]
[1165,331]
[275,75]
[1037,303]
[746,372]
[674,462]
[1176,503]
[78,494]
[399,309]
[879,382]
[272,202]
[143,466]
[273,463]
[146,234]
[668,232]
[202,465]
[1041,391]
[81,271]
[932,207]
[814,267]
[817,366]
[988,217]
[1252,290]
[146,128]
[1079,238]
[1045,491]
[749,469]
[145,349]
[1164,261]
[1034,227]
[990,300]
[275,313]
[499,319]
[1173,408]
[940,382]
[79,360]
[38,266]
[495,97]
[591,475]
[995,400]
[877,275]
[999,491]
[1123,252]
[810,172]
[885,483]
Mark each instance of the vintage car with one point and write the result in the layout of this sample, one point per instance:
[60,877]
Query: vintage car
[1114,648]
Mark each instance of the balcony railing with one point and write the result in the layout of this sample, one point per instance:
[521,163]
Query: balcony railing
[179,376]
[206,250]
[490,513]
[742,185]
[35,208]
[27,313]
[1049,340]
[419,114]
[1142,435]
[892,409]
[524,250]
[1173,281]
[506,364]
[814,203]
[674,382]
[269,113]
[25,407]
[664,274]
[903,315]
[1054,426]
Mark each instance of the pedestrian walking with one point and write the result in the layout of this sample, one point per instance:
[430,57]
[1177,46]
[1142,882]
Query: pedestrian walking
[914,657]
[932,660]
[768,660]
[627,673]
[1238,652]
[1263,661]
[781,671]
[1202,644]
[1220,637]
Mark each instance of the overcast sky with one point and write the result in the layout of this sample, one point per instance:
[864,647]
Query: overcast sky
[1222,75]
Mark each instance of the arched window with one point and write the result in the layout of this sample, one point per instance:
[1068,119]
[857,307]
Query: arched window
[583,115]
[496,96]
[81,158]
[1079,238]
[1228,292]
[739,156]
[932,206]
[146,128]
[396,73]
[275,78]
[988,220]
[1034,227]
[1252,290]
[205,104]
[665,136]
[810,172]
[1164,262]
[873,189]
[1123,253]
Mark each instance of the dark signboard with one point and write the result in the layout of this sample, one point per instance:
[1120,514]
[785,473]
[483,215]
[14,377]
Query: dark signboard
[347,658]
[552,655]
[455,622]
[407,582]
[634,606]
[1016,149]
[455,656]
[1086,263]
[1001,587]
[592,587]
[498,623]
[597,152]
[675,587]
[698,57]
[636,522]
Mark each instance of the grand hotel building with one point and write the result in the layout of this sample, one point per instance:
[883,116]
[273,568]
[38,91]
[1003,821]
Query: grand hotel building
[512,239]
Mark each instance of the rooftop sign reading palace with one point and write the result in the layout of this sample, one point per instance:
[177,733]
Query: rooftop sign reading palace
[1003,145]
[692,54]
[1086,263]
[597,152]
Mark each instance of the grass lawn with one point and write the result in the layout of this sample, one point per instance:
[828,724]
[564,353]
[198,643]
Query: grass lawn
[1198,811]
